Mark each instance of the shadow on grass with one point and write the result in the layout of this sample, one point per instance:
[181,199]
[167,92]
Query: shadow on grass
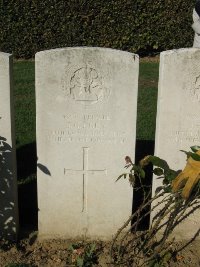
[27,188]
[143,148]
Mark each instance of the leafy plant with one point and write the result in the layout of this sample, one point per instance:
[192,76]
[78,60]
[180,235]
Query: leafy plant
[83,255]
[168,205]
[134,25]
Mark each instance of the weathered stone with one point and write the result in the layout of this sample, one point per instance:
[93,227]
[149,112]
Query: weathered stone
[178,119]
[8,178]
[86,124]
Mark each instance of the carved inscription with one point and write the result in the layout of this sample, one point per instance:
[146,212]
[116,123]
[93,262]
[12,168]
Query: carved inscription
[85,171]
[84,85]
[189,136]
[87,128]
[190,133]
[191,83]
[195,90]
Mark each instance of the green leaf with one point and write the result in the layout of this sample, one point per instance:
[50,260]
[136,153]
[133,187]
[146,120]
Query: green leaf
[79,262]
[170,175]
[195,156]
[158,171]
[135,168]
[195,148]
[156,161]
[167,189]
[192,155]
[141,173]
[92,248]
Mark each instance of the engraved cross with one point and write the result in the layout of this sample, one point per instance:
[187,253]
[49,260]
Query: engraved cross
[85,171]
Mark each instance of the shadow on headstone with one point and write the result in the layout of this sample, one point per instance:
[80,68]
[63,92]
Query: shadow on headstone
[8,201]
[143,148]
[44,169]
[27,189]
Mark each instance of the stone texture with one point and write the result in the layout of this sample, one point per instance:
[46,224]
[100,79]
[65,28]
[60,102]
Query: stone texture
[178,119]
[8,178]
[86,125]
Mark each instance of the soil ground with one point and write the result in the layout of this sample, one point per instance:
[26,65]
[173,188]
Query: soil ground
[30,252]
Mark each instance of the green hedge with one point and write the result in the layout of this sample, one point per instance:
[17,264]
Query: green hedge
[141,26]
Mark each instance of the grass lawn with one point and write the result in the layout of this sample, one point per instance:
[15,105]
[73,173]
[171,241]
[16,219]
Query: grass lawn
[24,100]
[147,100]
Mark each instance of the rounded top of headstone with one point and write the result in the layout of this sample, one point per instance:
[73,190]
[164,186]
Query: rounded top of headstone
[180,51]
[92,49]
[6,55]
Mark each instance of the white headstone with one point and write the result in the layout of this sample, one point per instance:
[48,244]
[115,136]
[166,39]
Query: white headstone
[178,117]
[86,125]
[8,178]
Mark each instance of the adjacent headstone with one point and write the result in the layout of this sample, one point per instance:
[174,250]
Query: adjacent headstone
[8,178]
[178,117]
[86,125]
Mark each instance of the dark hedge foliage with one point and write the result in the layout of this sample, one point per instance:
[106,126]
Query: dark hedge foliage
[141,26]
